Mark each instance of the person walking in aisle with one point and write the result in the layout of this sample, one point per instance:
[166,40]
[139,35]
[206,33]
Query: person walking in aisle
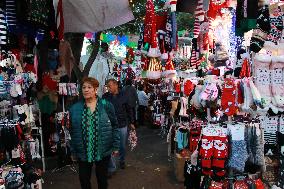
[125,118]
[130,92]
[94,134]
[143,104]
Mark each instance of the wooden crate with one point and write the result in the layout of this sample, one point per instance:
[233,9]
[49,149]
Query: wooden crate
[179,166]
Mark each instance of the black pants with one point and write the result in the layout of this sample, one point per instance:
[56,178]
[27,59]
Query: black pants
[141,114]
[85,173]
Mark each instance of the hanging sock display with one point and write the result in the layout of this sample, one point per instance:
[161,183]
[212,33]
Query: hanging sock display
[228,99]
[277,85]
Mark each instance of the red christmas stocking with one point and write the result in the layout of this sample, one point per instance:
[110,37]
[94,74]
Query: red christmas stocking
[228,99]
[206,151]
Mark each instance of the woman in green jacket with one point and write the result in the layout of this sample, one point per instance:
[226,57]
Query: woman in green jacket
[94,134]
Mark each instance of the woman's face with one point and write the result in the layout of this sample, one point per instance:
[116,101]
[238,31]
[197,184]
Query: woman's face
[88,91]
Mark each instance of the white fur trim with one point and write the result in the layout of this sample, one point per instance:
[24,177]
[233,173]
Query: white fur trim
[281,45]
[274,109]
[278,59]
[263,58]
[154,52]
[153,74]
[270,45]
[169,73]
[200,18]
[165,56]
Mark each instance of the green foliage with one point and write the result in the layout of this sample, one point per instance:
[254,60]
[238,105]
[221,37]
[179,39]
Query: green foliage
[184,20]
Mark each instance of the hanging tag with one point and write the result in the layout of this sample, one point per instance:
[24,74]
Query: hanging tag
[273,7]
[16,153]
[238,133]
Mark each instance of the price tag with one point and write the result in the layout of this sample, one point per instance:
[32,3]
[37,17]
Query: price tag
[16,153]
[238,132]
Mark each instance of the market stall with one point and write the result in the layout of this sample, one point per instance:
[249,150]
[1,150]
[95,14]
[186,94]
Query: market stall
[218,99]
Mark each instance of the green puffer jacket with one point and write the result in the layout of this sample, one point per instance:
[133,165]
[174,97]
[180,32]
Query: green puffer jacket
[108,131]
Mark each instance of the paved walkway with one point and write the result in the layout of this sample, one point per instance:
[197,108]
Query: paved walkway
[148,167]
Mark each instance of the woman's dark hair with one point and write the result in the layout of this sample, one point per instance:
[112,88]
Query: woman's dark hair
[140,88]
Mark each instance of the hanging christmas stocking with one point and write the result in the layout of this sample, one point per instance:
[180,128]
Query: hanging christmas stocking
[277,85]
[206,153]
[228,99]
[220,155]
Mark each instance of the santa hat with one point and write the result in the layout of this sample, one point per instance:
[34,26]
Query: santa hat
[173,4]
[154,52]
[154,69]
[170,71]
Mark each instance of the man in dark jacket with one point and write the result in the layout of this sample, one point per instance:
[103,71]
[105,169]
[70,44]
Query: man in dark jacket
[125,117]
[131,94]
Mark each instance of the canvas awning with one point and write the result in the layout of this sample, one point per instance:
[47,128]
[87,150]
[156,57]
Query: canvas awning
[95,15]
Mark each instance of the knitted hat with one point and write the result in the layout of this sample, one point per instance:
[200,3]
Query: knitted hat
[154,69]
[170,71]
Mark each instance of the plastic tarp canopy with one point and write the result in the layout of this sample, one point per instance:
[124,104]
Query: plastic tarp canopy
[95,15]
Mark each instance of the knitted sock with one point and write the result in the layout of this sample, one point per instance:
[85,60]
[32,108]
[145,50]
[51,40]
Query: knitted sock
[174,107]
[277,85]
[228,99]
[263,79]
[281,125]
[220,153]
[3,28]
[196,28]
[260,33]
[206,151]
[276,24]
[199,13]
[184,103]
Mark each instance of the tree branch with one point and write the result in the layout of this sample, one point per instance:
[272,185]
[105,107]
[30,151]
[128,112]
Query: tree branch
[93,55]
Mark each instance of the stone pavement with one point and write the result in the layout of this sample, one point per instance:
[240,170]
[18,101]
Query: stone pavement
[148,167]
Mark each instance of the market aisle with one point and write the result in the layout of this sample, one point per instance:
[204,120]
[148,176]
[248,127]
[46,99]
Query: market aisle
[148,167]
